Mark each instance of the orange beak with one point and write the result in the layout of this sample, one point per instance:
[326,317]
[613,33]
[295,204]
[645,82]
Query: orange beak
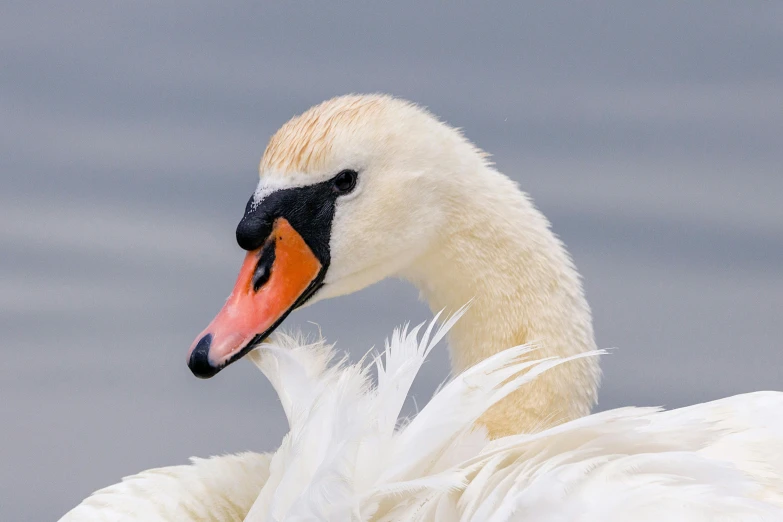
[273,280]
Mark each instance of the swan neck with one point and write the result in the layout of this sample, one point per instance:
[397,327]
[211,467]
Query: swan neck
[498,251]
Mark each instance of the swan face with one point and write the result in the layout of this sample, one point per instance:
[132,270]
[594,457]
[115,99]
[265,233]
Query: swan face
[348,195]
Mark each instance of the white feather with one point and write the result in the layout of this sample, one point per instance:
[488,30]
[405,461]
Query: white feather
[219,488]
[347,457]
[627,464]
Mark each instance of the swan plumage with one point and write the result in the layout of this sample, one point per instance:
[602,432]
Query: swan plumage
[361,188]
[219,488]
[344,459]
[348,456]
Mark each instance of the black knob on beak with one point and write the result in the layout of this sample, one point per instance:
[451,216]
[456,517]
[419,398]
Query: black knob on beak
[253,230]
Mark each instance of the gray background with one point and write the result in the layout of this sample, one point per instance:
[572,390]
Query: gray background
[130,134]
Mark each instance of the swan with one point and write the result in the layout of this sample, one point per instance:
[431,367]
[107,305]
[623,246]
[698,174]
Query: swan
[364,187]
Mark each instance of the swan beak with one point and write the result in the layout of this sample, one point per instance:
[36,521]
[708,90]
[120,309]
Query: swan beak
[273,280]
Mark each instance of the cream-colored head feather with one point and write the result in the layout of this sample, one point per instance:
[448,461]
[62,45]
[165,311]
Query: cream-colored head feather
[306,142]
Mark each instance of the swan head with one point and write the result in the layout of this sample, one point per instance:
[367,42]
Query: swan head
[351,192]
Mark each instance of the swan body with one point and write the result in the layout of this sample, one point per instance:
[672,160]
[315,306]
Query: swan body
[348,458]
[344,460]
[361,188]
[221,488]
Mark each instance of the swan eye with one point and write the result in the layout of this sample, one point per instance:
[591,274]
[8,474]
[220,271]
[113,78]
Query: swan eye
[345,181]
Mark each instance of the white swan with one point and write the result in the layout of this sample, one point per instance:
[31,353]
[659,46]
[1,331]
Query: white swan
[361,188]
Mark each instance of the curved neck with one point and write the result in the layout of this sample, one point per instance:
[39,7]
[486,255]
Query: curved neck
[499,251]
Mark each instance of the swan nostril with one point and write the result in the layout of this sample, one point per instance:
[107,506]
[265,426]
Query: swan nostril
[199,359]
[264,266]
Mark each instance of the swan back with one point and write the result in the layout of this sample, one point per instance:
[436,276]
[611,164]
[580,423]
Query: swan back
[348,457]
[218,488]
